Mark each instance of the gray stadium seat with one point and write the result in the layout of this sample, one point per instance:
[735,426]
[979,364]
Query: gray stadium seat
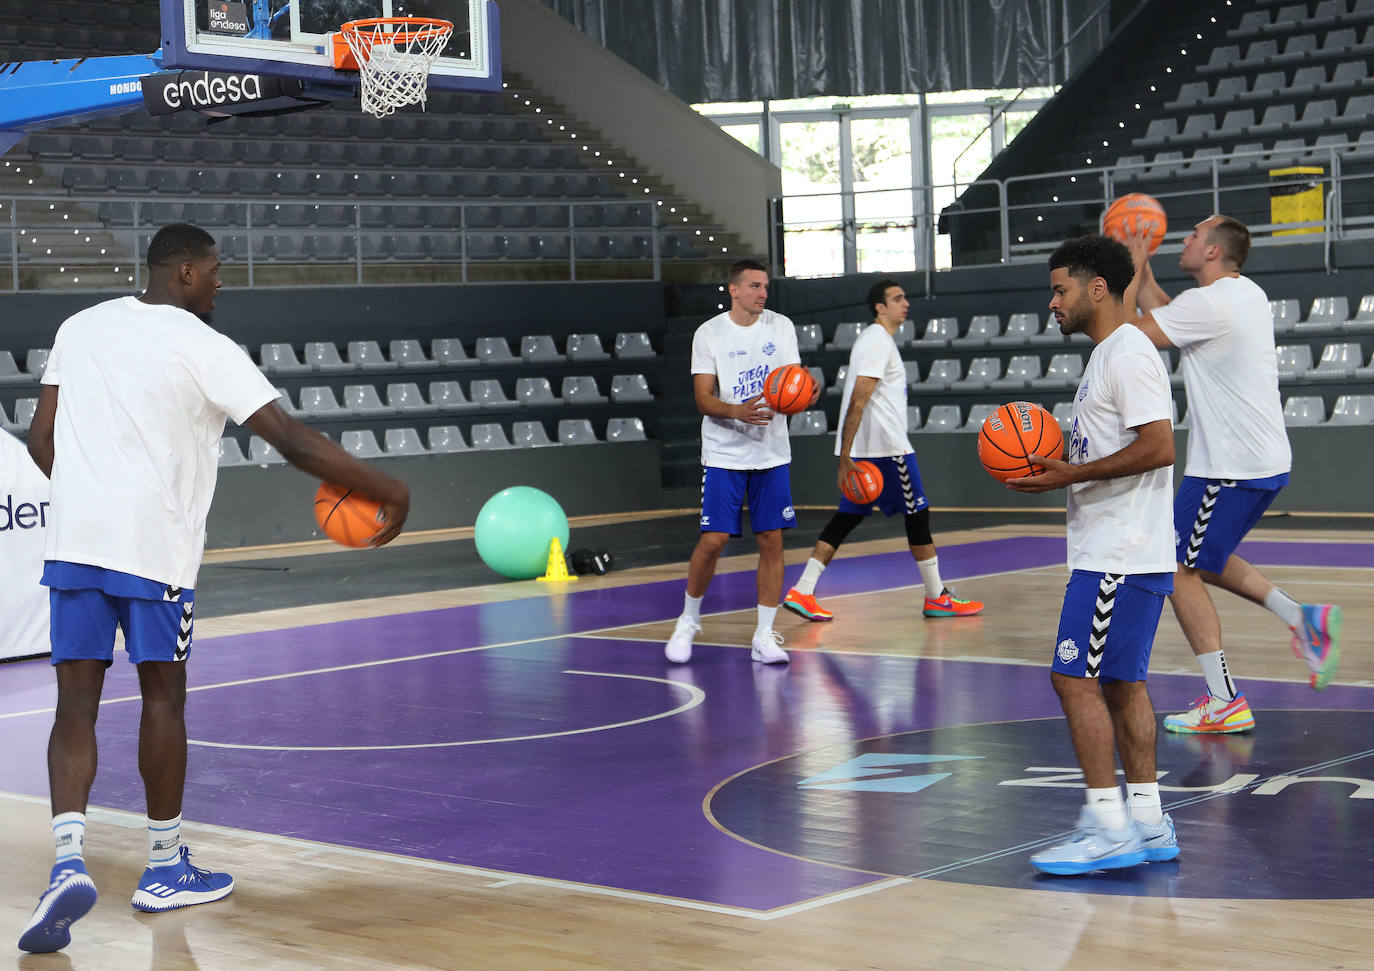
[324,356]
[367,356]
[809,337]
[808,423]
[913,418]
[446,438]
[281,359]
[231,453]
[449,352]
[1020,329]
[977,414]
[1304,410]
[1325,313]
[939,331]
[531,434]
[1338,362]
[838,387]
[982,371]
[361,444]
[943,418]
[1063,413]
[906,333]
[1022,369]
[625,430]
[633,345]
[586,347]
[535,393]
[576,431]
[495,350]
[538,349]
[260,452]
[487,393]
[403,441]
[582,390]
[913,373]
[629,388]
[982,328]
[845,335]
[943,372]
[10,373]
[1353,409]
[405,398]
[1294,361]
[489,437]
[409,355]
[362,399]
[1064,371]
[318,401]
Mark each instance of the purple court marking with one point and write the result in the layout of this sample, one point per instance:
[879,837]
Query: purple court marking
[619,808]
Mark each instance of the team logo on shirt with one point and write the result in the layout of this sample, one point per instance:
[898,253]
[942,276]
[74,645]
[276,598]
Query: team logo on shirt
[738,353]
[1083,390]
[769,348]
[1067,650]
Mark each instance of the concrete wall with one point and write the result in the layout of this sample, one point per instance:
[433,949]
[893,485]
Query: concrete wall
[728,181]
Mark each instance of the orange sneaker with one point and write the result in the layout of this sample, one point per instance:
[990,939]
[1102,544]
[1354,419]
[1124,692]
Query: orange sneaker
[948,605]
[805,605]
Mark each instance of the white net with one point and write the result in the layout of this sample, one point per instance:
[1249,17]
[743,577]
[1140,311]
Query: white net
[394,59]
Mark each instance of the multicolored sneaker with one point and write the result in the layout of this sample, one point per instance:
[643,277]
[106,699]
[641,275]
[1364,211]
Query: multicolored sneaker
[1319,642]
[1161,842]
[180,885]
[1210,715]
[1091,847]
[70,894]
[805,605]
[948,605]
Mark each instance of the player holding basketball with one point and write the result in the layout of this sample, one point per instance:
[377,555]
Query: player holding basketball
[128,423]
[744,452]
[873,426]
[1238,459]
[1119,475]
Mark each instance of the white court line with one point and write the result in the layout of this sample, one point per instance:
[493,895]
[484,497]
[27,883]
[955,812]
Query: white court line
[695,696]
[309,852]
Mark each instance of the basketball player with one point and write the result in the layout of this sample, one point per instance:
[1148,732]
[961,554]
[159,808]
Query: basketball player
[129,418]
[1119,475]
[744,452]
[873,427]
[1238,459]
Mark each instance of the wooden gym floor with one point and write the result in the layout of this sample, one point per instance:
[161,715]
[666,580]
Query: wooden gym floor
[511,776]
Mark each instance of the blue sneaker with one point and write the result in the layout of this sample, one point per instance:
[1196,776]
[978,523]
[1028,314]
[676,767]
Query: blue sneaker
[1318,642]
[180,885]
[1161,842]
[70,894]
[1091,847]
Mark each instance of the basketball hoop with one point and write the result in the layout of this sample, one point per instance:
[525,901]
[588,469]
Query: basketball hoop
[393,56]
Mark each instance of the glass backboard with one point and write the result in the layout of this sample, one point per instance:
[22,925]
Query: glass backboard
[290,38]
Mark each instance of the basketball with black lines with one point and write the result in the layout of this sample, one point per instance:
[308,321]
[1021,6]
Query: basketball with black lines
[790,389]
[863,484]
[347,517]
[1013,433]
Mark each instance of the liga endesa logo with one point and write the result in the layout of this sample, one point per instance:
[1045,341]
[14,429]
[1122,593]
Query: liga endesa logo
[201,90]
[22,515]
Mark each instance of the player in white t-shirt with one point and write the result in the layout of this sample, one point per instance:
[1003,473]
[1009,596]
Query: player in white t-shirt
[745,452]
[873,426]
[128,424]
[1238,460]
[1119,475]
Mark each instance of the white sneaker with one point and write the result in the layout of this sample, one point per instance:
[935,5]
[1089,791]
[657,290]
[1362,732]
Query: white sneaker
[679,646]
[768,649]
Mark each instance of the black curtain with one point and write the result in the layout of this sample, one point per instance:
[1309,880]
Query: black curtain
[749,50]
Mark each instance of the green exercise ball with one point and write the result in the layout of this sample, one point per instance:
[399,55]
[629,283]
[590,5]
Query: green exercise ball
[514,528]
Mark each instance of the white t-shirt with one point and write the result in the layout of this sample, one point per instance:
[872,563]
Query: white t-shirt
[143,392]
[1123,525]
[24,516]
[1225,335]
[882,430]
[740,358]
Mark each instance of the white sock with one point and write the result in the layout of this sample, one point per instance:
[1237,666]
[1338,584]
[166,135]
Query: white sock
[1142,801]
[765,627]
[1288,610]
[164,841]
[930,573]
[1219,681]
[691,607]
[69,834]
[1108,807]
[807,584]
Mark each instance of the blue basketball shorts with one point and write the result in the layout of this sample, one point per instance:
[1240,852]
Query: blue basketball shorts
[902,492]
[86,604]
[723,492]
[1108,624]
[1211,517]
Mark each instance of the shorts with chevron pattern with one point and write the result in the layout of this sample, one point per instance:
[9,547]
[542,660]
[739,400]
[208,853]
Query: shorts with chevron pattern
[157,623]
[903,493]
[1108,623]
[1212,516]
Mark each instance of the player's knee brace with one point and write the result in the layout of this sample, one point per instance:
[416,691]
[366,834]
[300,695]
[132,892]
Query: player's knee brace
[918,528]
[841,525]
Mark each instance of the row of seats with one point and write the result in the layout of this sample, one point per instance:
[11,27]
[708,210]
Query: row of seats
[1277,119]
[599,244]
[1272,85]
[442,439]
[405,398]
[215,215]
[402,355]
[1292,16]
[1337,44]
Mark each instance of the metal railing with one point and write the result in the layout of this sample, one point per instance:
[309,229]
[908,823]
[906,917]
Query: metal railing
[1237,184]
[50,239]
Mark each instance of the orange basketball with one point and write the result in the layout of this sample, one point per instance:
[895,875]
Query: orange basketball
[1014,432]
[345,516]
[863,484]
[790,389]
[1133,211]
